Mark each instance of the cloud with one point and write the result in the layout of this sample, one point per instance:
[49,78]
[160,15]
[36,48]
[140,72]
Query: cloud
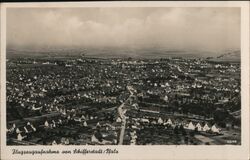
[172,28]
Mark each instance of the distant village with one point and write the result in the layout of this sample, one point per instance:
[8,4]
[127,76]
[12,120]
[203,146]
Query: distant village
[122,101]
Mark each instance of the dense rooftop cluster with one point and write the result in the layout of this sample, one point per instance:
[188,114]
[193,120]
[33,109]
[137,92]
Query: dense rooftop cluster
[75,100]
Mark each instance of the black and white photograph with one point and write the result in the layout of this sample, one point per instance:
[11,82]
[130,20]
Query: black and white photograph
[107,76]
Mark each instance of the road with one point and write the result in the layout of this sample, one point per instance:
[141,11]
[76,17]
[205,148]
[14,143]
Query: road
[121,112]
[123,117]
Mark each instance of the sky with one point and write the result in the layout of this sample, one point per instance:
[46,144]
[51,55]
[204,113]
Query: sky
[170,28]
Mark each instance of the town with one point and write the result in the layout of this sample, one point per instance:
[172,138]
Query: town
[82,100]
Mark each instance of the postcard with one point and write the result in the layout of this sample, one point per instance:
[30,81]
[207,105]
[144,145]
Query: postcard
[125,80]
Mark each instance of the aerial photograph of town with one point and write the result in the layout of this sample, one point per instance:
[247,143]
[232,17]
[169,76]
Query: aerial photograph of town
[123,76]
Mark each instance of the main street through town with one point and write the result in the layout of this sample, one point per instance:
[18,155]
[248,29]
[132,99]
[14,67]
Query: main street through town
[122,112]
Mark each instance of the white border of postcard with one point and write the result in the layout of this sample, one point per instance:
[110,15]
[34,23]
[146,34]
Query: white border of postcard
[139,152]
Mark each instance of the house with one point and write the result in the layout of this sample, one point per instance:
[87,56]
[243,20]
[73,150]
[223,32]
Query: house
[64,141]
[215,129]
[12,128]
[169,122]
[53,124]
[111,127]
[199,127]
[25,129]
[21,136]
[17,130]
[96,137]
[165,98]
[109,138]
[98,124]
[64,112]
[77,119]
[132,141]
[177,122]
[85,124]
[33,128]
[36,109]
[118,120]
[54,143]
[83,117]
[191,126]
[29,128]
[59,121]
[144,120]
[153,122]
[160,121]
[135,105]
[206,127]
[46,124]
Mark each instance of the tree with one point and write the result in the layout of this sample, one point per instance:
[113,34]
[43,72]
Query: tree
[196,130]
[191,133]
[176,130]
[186,140]
[184,133]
